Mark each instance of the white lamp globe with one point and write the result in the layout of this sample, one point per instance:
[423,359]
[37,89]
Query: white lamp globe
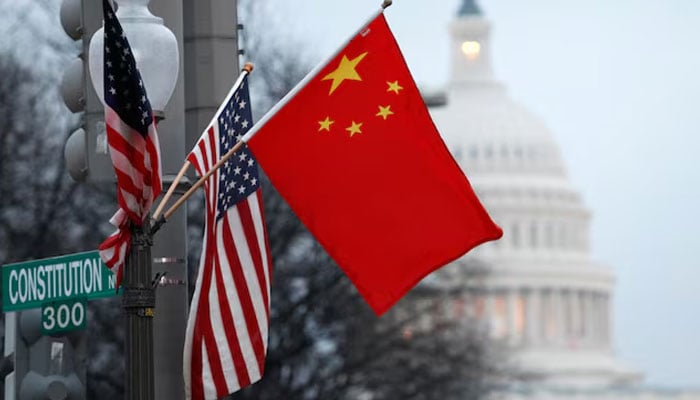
[154,47]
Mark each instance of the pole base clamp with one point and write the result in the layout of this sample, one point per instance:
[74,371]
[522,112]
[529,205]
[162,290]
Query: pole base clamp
[139,300]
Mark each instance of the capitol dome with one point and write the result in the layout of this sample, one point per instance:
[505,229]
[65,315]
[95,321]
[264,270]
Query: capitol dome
[543,297]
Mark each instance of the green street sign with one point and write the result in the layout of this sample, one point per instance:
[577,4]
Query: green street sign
[31,284]
[63,316]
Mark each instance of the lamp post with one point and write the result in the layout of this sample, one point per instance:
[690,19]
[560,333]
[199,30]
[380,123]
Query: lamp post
[156,52]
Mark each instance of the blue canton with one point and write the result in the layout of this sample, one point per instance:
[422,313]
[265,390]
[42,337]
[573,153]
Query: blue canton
[238,177]
[123,88]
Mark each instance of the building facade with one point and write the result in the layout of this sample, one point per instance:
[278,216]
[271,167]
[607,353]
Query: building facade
[543,297]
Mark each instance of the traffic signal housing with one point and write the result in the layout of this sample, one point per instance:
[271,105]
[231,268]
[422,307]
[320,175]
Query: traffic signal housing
[47,366]
[86,151]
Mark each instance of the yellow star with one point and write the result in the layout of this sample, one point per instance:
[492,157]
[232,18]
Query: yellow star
[345,70]
[384,112]
[354,128]
[394,87]
[325,124]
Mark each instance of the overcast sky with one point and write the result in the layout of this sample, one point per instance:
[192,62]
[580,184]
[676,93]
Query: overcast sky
[618,83]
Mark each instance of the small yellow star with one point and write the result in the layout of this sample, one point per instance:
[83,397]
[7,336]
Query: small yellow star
[325,124]
[394,87]
[354,128]
[384,112]
[345,70]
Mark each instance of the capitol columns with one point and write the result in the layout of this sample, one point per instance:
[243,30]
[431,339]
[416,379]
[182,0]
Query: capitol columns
[533,308]
[512,315]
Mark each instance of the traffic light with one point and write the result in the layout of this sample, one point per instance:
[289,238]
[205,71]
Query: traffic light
[47,366]
[86,150]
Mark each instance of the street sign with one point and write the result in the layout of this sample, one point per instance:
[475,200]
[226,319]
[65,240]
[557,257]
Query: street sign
[31,284]
[63,316]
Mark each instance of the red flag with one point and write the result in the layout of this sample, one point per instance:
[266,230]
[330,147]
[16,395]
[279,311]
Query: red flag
[227,329]
[132,138]
[356,155]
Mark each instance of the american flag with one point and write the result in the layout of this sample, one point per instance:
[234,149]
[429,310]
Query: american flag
[227,330]
[132,138]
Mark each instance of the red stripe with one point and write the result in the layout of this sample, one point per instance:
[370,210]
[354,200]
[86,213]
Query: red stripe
[118,142]
[154,176]
[202,312]
[205,157]
[154,154]
[252,239]
[231,333]
[258,195]
[243,292]
[215,367]
[196,378]
[196,370]
[133,215]
[213,146]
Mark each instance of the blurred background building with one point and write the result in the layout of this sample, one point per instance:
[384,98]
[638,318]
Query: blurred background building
[543,297]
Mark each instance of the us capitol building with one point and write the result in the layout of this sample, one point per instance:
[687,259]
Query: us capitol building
[543,296]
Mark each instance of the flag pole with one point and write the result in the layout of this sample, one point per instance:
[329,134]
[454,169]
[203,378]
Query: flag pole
[201,181]
[171,189]
[290,95]
[247,69]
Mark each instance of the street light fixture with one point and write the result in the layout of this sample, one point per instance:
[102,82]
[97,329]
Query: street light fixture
[154,47]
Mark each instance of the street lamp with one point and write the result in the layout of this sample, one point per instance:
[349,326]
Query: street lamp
[155,50]
[154,47]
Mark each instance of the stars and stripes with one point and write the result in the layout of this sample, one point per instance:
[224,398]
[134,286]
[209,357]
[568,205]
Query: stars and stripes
[132,138]
[227,330]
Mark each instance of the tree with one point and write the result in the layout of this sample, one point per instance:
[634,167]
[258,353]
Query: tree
[43,213]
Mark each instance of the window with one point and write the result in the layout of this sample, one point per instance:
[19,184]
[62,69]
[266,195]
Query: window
[471,49]
[519,316]
[549,316]
[534,235]
[515,235]
[474,153]
[549,235]
[499,317]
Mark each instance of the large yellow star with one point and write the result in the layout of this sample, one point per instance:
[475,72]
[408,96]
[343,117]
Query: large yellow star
[345,70]
[325,124]
[384,112]
[354,128]
[394,87]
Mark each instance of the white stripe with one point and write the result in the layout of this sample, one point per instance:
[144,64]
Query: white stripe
[129,134]
[132,203]
[206,166]
[108,253]
[122,162]
[192,317]
[214,178]
[207,380]
[118,218]
[222,349]
[248,267]
[236,308]
[121,259]
[153,136]
[259,225]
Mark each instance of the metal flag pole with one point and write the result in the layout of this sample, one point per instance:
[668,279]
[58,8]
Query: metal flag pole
[139,301]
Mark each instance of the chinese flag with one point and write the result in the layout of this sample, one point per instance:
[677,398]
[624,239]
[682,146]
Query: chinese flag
[358,159]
